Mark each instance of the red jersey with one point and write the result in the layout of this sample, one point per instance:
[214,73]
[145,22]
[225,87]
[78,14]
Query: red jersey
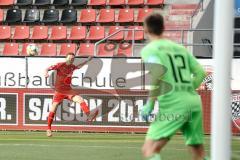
[64,75]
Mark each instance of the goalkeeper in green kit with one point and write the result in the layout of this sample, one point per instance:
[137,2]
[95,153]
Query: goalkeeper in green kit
[175,75]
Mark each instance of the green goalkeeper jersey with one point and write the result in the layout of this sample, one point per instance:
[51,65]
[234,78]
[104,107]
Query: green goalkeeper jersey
[182,74]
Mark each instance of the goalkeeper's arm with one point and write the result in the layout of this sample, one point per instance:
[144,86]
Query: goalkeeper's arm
[147,108]
[198,76]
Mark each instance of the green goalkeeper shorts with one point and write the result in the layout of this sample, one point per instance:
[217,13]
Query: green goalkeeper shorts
[167,124]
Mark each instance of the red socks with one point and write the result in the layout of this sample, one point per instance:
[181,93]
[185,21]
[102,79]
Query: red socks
[50,119]
[51,115]
[84,107]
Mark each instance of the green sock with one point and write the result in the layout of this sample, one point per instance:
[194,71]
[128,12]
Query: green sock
[155,157]
[206,158]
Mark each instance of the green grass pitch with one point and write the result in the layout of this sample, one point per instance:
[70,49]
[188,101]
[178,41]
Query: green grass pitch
[89,146]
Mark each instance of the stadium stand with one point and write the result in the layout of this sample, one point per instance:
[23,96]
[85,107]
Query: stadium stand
[58,33]
[116,2]
[184,6]
[21,33]
[119,36]
[5,32]
[154,2]
[125,15]
[125,49]
[97,3]
[71,22]
[24,2]
[48,49]
[106,16]
[86,49]
[79,3]
[69,16]
[138,35]
[10,49]
[1,15]
[135,2]
[13,16]
[60,2]
[96,33]
[42,2]
[6,2]
[106,50]
[66,48]
[39,33]
[32,16]
[87,16]
[142,13]
[24,49]
[50,16]
[78,33]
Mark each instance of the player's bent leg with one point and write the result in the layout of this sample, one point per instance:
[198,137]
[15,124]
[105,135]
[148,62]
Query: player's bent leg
[194,135]
[83,105]
[151,149]
[91,115]
[51,117]
[197,152]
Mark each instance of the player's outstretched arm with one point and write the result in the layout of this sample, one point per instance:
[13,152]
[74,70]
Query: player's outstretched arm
[85,62]
[53,67]
[198,73]
[46,73]
[198,76]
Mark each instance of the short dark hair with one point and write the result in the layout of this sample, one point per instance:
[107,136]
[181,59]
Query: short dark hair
[154,24]
[70,53]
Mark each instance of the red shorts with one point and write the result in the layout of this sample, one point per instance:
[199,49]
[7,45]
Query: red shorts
[59,97]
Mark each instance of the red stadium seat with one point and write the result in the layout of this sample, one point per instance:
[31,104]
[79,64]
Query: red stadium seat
[154,2]
[24,49]
[1,15]
[175,36]
[185,6]
[86,49]
[139,35]
[48,49]
[125,15]
[40,33]
[177,24]
[135,2]
[5,32]
[96,33]
[125,49]
[88,16]
[6,2]
[105,49]
[142,13]
[10,49]
[66,48]
[97,3]
[106,16]
[119,35]
[78,33]
[181,12]
[116,2]
[21,32]
[58,33]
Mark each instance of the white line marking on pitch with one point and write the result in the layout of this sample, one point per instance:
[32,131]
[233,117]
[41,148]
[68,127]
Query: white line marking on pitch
[104,147]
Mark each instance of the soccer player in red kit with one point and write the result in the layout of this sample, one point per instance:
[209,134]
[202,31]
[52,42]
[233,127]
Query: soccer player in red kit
[63,85]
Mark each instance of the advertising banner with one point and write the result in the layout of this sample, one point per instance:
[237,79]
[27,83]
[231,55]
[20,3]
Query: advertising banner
[8,109]
[114,111]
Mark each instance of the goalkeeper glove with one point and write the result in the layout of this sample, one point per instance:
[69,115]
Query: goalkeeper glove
[147,109]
